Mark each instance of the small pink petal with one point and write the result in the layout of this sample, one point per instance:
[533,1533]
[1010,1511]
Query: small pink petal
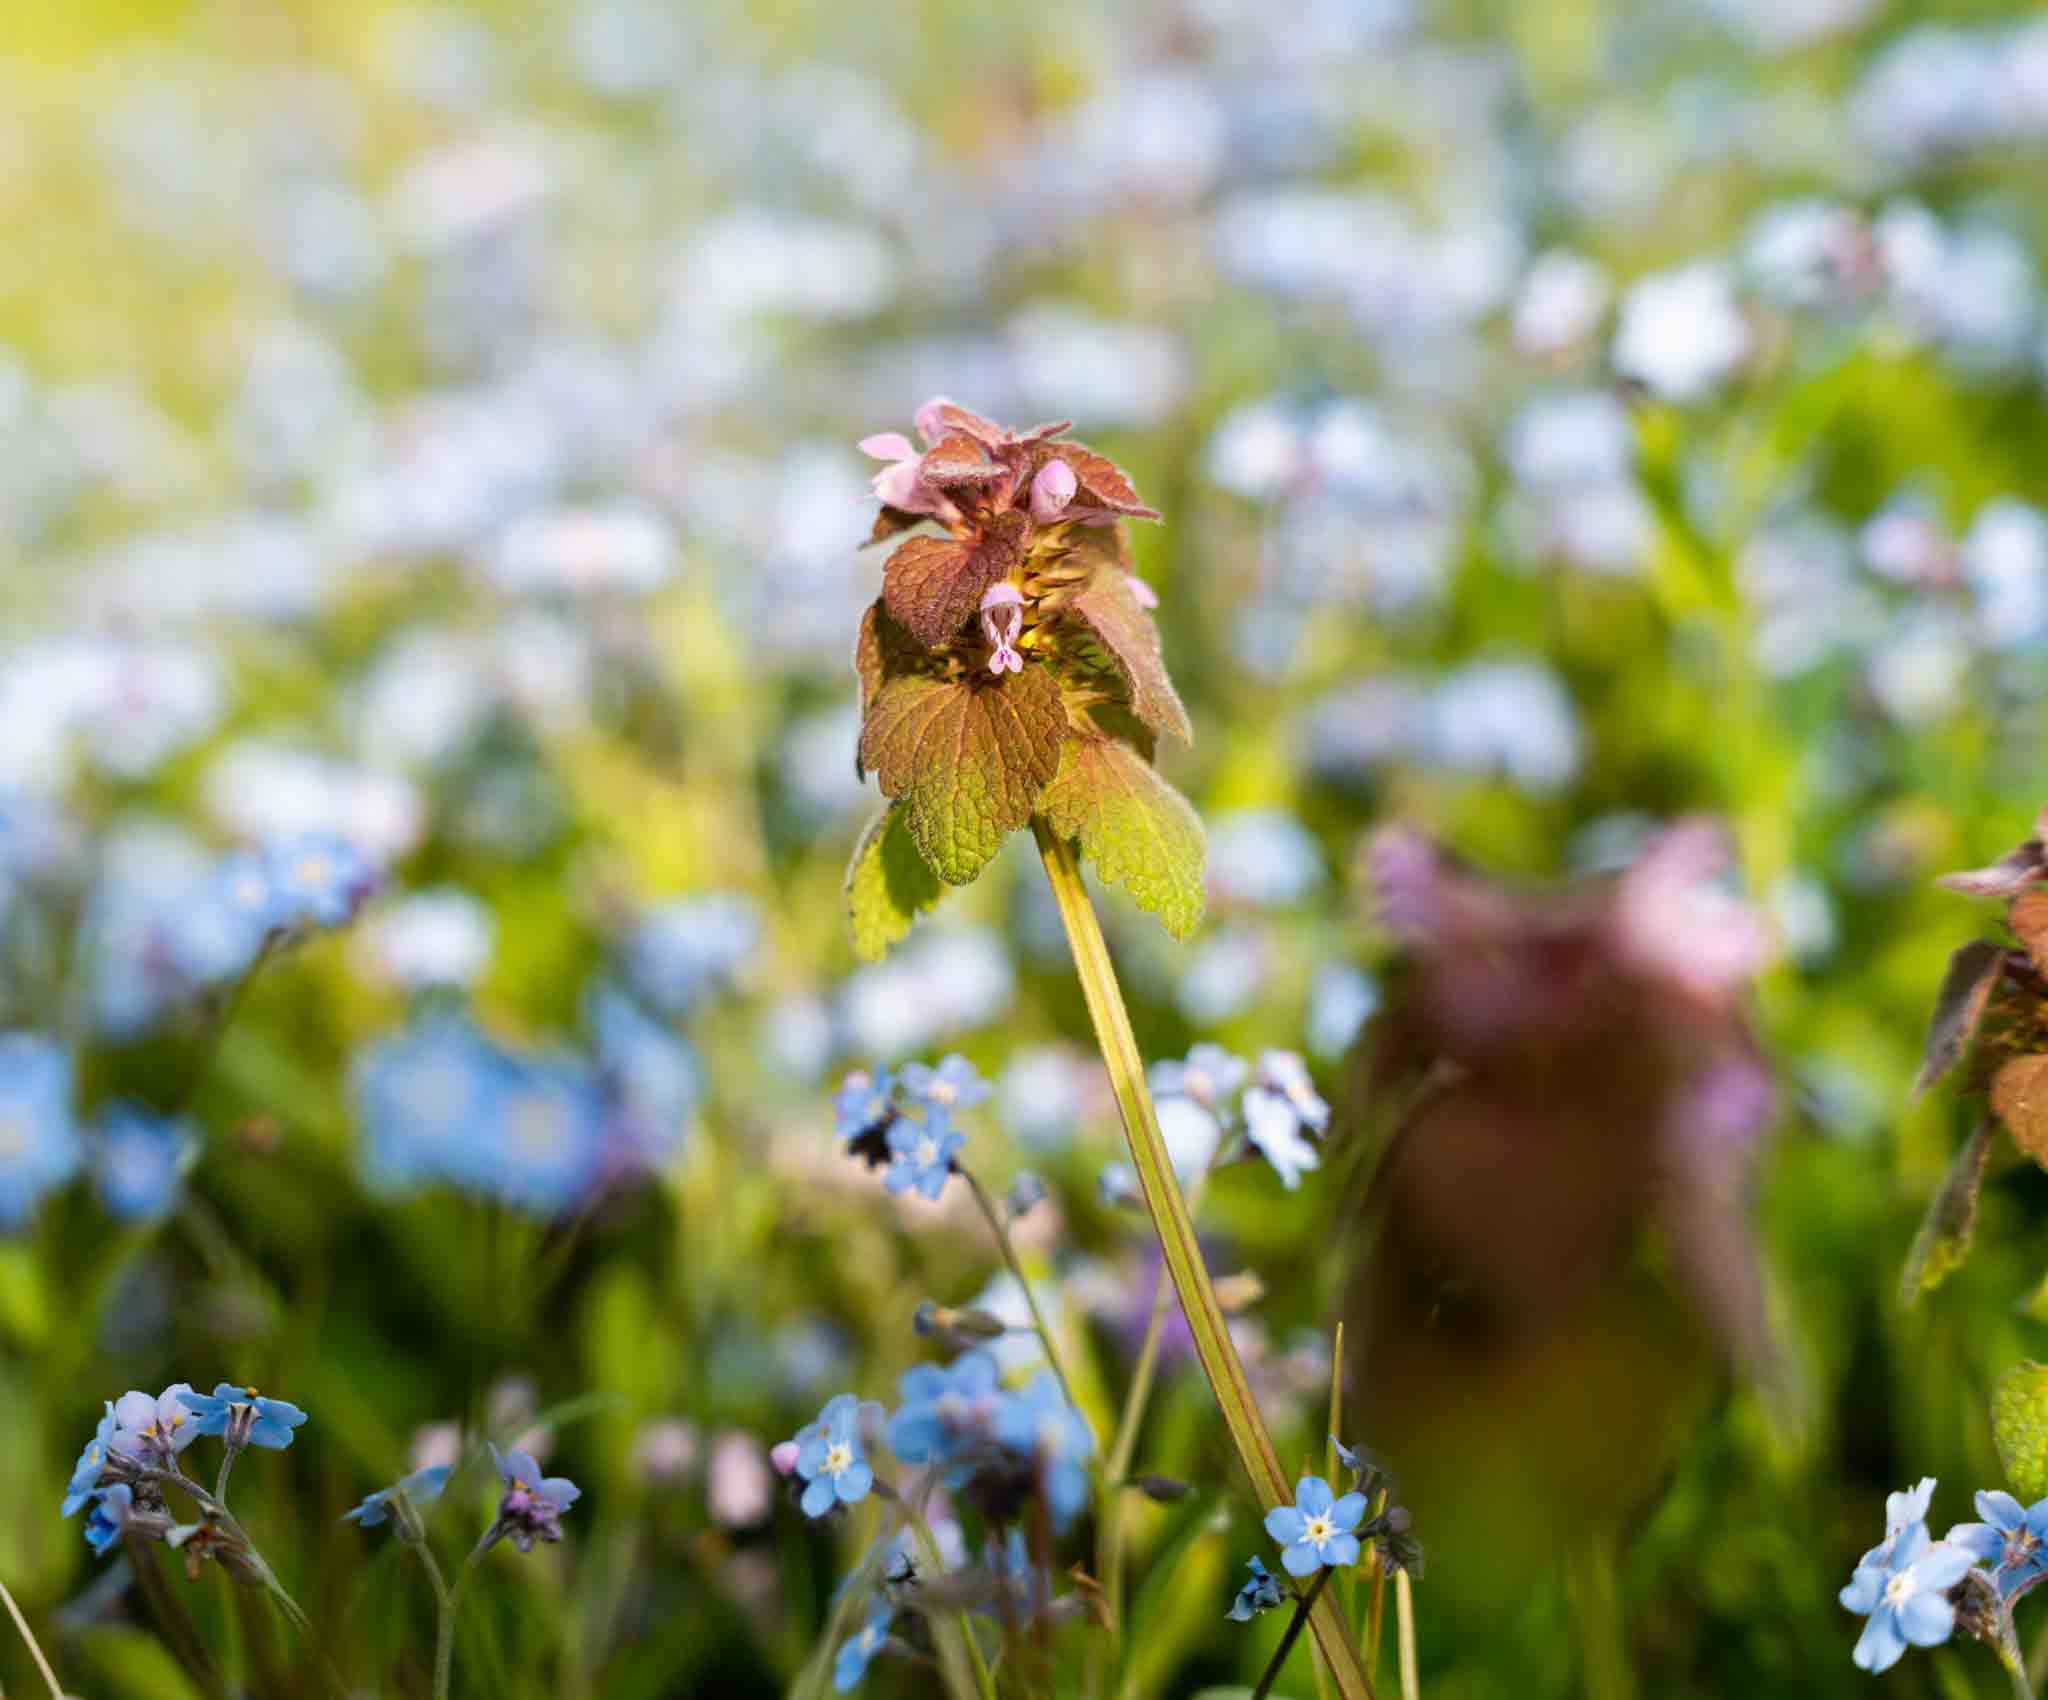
[783,1457]
[928,426]
[888,445]
[1143,593]
[1052,490]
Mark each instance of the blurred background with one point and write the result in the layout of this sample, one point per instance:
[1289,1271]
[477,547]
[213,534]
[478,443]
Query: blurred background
[433,426]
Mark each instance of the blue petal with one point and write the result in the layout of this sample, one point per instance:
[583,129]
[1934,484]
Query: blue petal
[1312,1494]
[1927,1619]
[2000,1509]
[1980,1539]
[1879,1646]
[1348,1510]
[1865,1589]
[818,1497]
[1286,1524]
[854,1482]
[1342,1549]
[1301,1559]
[1943,1566]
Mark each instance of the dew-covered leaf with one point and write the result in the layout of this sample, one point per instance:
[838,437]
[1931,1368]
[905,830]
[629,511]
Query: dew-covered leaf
[1943,1241]
[1138,831]
[2019,1094]
[2019,1428]
[968,757]
[1966,988]
[887,884]
[1126,632]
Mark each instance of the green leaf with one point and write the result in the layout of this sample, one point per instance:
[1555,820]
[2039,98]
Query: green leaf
[1113,616]
[1945,1232]
[887,884]
[2019,1428]
[1137,830]
[933,585]
[969,758]
[1966,988]
[883,650]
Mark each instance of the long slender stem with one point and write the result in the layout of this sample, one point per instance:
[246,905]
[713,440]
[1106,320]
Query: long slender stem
[1171,1221]
[1303,1607]
[34,1651]
[947,1637]
[1109,1522]
[1404,1628]
[450,1600]
[1001,1231]
[174,1622]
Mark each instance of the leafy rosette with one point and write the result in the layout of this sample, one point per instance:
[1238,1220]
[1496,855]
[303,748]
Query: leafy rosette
[1011,669]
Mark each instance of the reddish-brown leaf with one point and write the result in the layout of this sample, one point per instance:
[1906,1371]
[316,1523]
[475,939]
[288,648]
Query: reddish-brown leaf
[2029,918]
[958,459]
[933,585]
[1125,630]
[890,521]
[954,418]
[2010,875]
[1102,482]
[2019,1093]
[1966,988]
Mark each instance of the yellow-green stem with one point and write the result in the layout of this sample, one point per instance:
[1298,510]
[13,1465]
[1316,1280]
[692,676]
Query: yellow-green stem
[1404,1628]
[34,1651]
[1176,1230]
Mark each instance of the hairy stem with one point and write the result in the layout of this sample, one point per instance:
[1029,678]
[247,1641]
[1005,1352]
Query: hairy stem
[1176,1230]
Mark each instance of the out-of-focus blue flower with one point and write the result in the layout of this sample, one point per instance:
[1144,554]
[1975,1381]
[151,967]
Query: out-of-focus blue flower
[138,1161]
[92,1463]
[39,1144]
[1192,1134]
[430,941]
[1285,1073]
[1039,1424]
[242,1415]
[945,1409]
[1264,858]
[532,1506]
[851,1664]
[1026,1194]
[830,1458]
[686,952]
[111,1508]
[1341,1000]
[1117,1187]
[921,1155]
[1209,1075]
[953,1085]
[1905,1596]
[864,1104]
[422,1487]
[547,1132]
[651,1078]
[153,1431]
[1316,1529]
[1022,1589]
[1272,1124]
[1262,1593]
[424,1100]
[317,880]
[2012,1539]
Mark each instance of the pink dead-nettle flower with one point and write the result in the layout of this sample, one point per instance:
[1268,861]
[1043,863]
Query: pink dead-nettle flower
[1002,617]
[898,484]
[1052,490]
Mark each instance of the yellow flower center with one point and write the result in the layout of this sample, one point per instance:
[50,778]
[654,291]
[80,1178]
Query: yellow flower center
[838,1458]
[1320,1529]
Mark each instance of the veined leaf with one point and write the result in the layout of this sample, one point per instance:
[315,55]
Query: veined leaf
[934,584]
[1137,830]
[968,757]
[887,884]
[2019,1428]
[1966,988]
[2019,1093]
[1125,630]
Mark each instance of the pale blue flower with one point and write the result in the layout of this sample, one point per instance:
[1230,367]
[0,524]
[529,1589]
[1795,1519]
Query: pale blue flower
[851,1664]
[1261,1594]
[830,1458]
[2012,1540]
[1316,1529]
[39,1143]
[1905,1597]
[921,1155]
[422,1487]
[953,1085]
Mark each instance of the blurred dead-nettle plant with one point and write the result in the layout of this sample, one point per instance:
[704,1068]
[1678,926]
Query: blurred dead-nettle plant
[1011,669]
[1993,1010]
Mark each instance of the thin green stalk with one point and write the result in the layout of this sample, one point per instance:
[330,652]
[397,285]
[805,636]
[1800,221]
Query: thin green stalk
[1000,1229]
[1602,1643]
[1171,1221]
[946,1637]
[174,1622]
[450,1601]
[1109,1522]
[35,1652]
[1305,1605]
[1404,1629]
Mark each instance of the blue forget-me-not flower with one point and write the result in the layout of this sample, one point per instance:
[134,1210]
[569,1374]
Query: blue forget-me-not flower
[1316,1529]
[830,1458]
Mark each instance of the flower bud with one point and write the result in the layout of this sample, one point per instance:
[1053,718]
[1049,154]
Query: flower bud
[1051,491]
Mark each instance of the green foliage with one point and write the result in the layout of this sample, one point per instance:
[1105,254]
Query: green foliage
[1136,831]
[887,883]
[2019,1426]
